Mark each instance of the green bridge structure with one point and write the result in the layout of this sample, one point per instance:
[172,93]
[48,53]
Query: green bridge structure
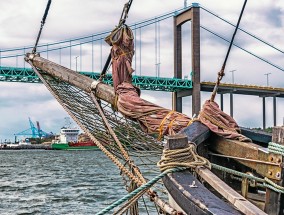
[27,75]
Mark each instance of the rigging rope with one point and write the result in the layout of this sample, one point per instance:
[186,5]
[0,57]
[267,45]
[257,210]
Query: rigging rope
[265,181]
[138,190]
[222,71]
[42,24]
[122,149]
[276,148]
[122,21]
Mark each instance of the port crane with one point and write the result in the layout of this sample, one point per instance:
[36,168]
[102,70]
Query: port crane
[34,131]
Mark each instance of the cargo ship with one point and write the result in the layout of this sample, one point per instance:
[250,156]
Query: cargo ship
[69,139]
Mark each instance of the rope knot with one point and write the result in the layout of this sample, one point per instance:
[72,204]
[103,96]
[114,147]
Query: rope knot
[221,73]
[186,157]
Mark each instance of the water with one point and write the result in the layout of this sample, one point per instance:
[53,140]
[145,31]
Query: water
[57,182]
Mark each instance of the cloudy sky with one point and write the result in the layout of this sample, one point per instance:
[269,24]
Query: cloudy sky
[20,20]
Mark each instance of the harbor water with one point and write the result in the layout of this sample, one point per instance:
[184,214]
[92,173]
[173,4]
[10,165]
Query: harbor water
[57,182]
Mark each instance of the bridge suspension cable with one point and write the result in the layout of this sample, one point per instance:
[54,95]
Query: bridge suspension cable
[138,25]
[79,41]
[246,32]
[101,35]
[260,58]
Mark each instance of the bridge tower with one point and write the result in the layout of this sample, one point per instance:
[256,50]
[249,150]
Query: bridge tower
[192,14]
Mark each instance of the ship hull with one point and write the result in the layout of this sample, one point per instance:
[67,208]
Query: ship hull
[66,146]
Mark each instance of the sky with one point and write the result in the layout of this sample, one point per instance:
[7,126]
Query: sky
[20,21]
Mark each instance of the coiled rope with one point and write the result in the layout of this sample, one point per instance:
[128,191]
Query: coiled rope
[276,148]
[186,157]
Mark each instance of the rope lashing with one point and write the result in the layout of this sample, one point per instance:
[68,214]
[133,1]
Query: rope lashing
[217,122]
[138,190]
[192,121]
[162,124]
[186,157]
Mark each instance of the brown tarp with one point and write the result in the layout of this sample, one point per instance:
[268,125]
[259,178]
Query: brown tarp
[219,122]
[151,117]
[122,51]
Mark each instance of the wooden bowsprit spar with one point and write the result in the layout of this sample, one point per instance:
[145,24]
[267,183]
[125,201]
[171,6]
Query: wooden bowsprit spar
[102,91]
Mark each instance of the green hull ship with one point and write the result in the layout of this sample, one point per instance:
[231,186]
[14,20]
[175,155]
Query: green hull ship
[66,146]
[68,140]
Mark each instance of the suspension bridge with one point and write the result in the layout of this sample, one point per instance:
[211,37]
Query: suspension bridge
[86,55]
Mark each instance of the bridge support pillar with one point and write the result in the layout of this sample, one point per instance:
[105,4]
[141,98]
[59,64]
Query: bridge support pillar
[231,105]
[263,113]
[176,102]
[192,14]
[274,111]
[222,101]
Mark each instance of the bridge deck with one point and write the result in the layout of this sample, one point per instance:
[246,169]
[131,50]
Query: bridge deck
[27,75]
[243,89]
[182,86]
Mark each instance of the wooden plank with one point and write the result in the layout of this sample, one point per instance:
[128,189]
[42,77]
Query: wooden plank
[274,202]
[227,192]
[278,135]
[103,91]
[197,133]
[249,151]
[195,199]
[257,136]
[189,194]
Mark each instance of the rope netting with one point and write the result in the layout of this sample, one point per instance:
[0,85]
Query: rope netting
[143,149]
